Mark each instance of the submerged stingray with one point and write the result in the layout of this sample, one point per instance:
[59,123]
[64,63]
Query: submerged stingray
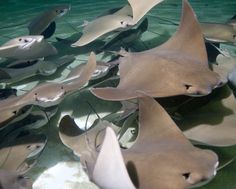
[44,24]
[75,138]
[14,180]
[177,67]
[22,70]
[212,124]
[127,16]
[217,32]
[160,158]
[27,48]
[47,94]
[13,154]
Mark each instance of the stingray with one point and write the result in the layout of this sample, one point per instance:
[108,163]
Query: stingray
[36,119]
[21,70]
[212,124]
[160,158]
[75,138]
[177,67]
[125,17]
[47,94]
[14,153]
[45,24]
[14,180]
[27,48]
[220,32]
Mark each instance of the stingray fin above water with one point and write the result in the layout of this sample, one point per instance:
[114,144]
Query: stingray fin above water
[177,67]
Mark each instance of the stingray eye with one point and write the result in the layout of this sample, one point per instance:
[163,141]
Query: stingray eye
[187,86]
[186,175]
[20,39]
[20,177]
[28,147]
[35,94]
[234,36]
[57,11]
[26,40]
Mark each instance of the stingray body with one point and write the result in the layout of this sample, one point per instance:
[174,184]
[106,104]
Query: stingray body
[177,67]
[14,180]
[27,48]
[125,17]
[161,154]
[217,32]
[44,24]
[47,94]
[22,70]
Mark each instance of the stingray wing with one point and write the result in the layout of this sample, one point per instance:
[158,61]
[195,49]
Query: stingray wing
[110,169]
[141,7]
[188,39]
[6,51]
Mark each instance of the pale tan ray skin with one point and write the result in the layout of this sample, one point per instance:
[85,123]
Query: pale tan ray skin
[75,138]
[129,15]
[13,180]
[216,32]
[12,157]
[41,22]
[213,124]
[161,154]
[167,69]
[36,48]
[141,7]
[47,94]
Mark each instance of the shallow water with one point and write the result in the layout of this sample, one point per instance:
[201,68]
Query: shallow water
[16,14]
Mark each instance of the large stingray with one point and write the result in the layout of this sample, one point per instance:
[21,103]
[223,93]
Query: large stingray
[27,48]
[178,67]
[19,71]
[44,24]
[47,94]
[127,16]
[14,180]
[161,157]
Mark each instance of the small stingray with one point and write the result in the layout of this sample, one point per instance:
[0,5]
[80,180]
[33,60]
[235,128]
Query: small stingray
[217,32]
[27,48]
[14,153]
[75,138]
[14,180]
[39,67]
[160,158]
[177,67]
[44,24]
[127,16]
[48,94]
[212,124]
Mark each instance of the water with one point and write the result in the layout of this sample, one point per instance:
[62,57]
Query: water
[16,14]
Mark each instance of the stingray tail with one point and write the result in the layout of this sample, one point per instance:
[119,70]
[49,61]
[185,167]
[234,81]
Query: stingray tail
[113,94]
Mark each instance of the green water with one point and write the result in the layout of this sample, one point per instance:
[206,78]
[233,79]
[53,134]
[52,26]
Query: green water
[15,14]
